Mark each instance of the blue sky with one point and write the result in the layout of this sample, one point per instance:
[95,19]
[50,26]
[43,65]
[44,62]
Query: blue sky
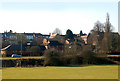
[57,6]
[44,17]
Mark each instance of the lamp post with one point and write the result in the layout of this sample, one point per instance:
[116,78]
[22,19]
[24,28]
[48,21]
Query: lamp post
[21,44]
[21,50]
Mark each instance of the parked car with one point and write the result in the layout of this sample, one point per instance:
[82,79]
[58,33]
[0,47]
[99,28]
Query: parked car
[16,55]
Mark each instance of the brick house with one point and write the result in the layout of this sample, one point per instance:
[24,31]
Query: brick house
[48,43]
[11,37]
[16,49]
[13,49]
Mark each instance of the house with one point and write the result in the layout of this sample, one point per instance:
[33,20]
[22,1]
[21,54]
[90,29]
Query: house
[81,34]
[12,38]
[45,36]
[68,41]
[3,51]
[13,49]
[56,45]
[9,37]
[40,36]
[116,34]
[16,49]
[84,37]
[93,39]
[29,36]
[53,44]
[53,35]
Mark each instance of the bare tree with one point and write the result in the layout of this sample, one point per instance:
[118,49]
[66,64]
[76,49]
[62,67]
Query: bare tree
[58,31]
[108,36]
[21,38]
[35,50]
[96,36]
[99,27]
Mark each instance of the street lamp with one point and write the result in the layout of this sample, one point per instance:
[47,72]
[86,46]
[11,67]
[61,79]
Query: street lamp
[21,50]
[21,44]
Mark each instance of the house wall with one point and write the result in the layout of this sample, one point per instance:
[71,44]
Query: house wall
[84,38]
[3,52]
[45,42]
[9,53]
[67,42]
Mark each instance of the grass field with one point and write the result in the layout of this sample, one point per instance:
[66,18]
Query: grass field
[81,72]
[0,74]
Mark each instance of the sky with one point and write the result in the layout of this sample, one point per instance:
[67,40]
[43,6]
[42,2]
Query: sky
[43,16]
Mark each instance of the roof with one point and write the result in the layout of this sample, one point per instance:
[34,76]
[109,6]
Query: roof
[14,47]
[63,35]
[28,33]
[8,34]
[116,33]
[84,34]
[18,47]
[55,43]
[45,35]
[6,47]
[37,34]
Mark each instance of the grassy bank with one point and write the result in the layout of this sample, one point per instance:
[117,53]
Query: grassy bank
[81,72]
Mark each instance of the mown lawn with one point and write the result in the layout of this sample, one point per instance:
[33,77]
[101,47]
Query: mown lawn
[81,72]
[0,74]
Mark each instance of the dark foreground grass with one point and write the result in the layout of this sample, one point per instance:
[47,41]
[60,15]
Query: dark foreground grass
[81,72]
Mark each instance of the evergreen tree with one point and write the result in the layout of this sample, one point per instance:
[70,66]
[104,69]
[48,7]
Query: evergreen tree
[81,33]
[69,35]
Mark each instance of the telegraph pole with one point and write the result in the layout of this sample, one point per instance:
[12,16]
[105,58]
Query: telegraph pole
[21,50]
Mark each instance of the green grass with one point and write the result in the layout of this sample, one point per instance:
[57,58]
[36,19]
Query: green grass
[81,72]
[0,74]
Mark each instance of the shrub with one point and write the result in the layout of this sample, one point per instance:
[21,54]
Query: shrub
[76,60]
[52,58]
[88,57]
